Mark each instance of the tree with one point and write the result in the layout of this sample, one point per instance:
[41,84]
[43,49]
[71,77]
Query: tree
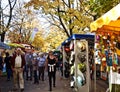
[98,7]
[72,16]
[38,42]
[6,17]
[23,23]
[67,15]
[53,39]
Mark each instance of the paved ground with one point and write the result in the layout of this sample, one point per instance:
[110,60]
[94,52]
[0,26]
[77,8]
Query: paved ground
[101,86]
[62,85]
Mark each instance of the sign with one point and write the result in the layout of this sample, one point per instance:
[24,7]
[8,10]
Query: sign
[35,30]
[104,75]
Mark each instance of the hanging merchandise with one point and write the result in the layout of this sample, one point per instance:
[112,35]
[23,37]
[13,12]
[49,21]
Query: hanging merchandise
[108,28]
[109,62]
[78,60]
[118,46]
[82,67]
[115,59]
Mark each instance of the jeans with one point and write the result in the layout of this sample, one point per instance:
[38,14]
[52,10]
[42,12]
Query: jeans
[29,68]
[9,73]
[41,73]
[35,77]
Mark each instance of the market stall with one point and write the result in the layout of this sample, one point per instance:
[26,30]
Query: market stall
[77,54]
[107,46]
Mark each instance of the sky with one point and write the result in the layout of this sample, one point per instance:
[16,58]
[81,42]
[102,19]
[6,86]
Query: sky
[42,20]
[4,2]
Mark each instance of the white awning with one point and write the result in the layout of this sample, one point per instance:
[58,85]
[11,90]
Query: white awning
[109,21]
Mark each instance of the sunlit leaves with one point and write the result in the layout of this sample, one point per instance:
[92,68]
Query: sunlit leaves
[54,39]
[69,14]
[99,7]
[38,42]
[14,36]
[23,23]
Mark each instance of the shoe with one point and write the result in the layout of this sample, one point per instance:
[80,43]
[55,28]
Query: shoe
[37,82]
[50,89]
[14,89]
[54,86]
[8,79]
[22,90]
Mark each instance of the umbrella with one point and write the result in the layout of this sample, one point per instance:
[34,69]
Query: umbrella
[4,46]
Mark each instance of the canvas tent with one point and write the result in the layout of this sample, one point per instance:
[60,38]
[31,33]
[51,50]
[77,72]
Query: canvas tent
[4,46]
[110,21]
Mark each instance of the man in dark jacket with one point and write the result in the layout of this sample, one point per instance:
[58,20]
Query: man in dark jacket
[18,63]
[1,64]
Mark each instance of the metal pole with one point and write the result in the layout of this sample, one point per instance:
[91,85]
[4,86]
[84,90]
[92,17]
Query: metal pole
[94,66]
[88,68]
[63,60]
[0,11]
[75,62]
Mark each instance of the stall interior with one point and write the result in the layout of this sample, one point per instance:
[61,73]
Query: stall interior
[107,51]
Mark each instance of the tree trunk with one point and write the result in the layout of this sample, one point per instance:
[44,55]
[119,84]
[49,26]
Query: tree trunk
[3,37]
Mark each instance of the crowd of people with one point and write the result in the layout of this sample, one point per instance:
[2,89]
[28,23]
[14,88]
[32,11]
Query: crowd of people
[30,66]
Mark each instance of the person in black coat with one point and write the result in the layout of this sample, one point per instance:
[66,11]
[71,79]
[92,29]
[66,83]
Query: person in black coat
[51,67]
[8,66]
[1,65]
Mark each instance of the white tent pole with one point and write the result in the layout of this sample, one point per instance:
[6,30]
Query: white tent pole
[94,66]
[63,60]
[75,64]
[88,68]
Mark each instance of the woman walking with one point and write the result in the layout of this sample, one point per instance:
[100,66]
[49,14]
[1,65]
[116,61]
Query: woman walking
[51,67]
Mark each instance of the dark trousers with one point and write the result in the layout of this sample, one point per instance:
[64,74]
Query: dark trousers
[35,77]
[29,68]
[52,79]
[41,72]
[61,70]
[9,73]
